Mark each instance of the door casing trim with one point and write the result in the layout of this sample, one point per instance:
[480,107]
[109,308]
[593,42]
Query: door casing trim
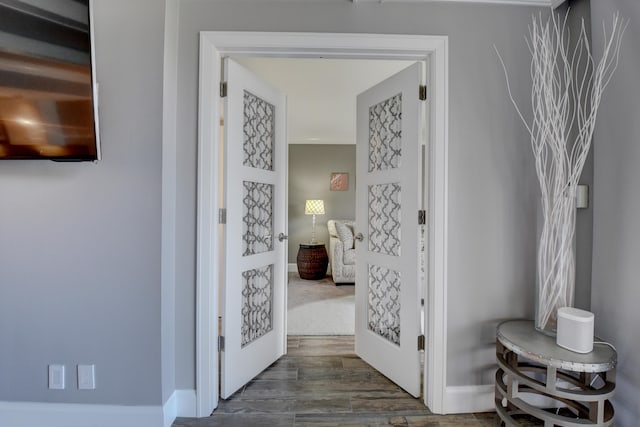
[214,46]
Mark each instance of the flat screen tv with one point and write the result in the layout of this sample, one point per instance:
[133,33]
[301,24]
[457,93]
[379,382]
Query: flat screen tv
[48,103]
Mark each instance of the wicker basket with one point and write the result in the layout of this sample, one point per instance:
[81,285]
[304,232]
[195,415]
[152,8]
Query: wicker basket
[312,261]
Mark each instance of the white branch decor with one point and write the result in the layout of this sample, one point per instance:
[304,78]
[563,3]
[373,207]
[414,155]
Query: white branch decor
[565,96]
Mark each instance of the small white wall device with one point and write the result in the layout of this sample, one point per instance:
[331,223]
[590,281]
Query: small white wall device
[575,329]
[582,196]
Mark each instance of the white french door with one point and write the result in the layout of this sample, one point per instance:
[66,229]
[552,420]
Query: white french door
[389,176]
[254,237]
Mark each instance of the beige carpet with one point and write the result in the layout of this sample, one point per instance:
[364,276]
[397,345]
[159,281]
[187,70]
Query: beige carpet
[319,307]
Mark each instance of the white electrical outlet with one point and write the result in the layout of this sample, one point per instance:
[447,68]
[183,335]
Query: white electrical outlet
[56,377]
[86,377]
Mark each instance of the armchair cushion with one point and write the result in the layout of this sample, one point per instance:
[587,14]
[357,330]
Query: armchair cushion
[345,234]
[342,254]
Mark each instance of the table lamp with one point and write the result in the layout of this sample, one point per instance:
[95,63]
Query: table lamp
[314,207]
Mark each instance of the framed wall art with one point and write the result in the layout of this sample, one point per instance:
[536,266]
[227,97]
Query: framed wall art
[339,181]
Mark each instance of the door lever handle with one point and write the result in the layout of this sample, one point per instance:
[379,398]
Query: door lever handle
[282,237]
[359,237]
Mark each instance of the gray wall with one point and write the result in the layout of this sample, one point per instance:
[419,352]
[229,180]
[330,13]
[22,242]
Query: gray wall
[492,186]
[615,292]
[310,168]
[579,9]
[80,242]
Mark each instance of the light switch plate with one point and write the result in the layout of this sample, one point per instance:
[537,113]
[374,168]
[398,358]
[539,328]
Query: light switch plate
[86,377]
[56,377]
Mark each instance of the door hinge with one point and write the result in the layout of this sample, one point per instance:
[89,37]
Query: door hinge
[422,217]
[220,343]
[420,342]
[223,89]
[422,94]
[222,216]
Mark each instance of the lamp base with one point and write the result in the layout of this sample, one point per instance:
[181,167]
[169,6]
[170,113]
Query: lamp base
[313,230]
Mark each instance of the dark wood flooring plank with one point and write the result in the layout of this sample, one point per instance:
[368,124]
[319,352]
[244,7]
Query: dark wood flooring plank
[309,362]
[386,404]
[465,420]
[239,420]
[279,373]
[346,420]
[322,406]
[261,406]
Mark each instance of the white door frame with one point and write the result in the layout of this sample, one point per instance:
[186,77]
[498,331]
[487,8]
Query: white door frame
[214,46]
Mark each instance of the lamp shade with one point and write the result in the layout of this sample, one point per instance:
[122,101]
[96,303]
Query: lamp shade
[314,207]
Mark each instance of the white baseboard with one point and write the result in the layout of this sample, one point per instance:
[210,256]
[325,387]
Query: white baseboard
[467,399]
[38,414]
[185,403]
[169,411]
[182,403]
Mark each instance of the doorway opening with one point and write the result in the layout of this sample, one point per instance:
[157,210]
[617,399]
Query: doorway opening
[214,46]
[321,137]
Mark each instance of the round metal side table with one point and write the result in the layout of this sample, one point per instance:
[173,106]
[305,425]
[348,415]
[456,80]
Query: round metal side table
[531,367]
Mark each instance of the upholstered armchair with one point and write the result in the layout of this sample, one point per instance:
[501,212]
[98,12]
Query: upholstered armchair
[342,253]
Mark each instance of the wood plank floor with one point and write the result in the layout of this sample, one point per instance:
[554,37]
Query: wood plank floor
[322,383]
